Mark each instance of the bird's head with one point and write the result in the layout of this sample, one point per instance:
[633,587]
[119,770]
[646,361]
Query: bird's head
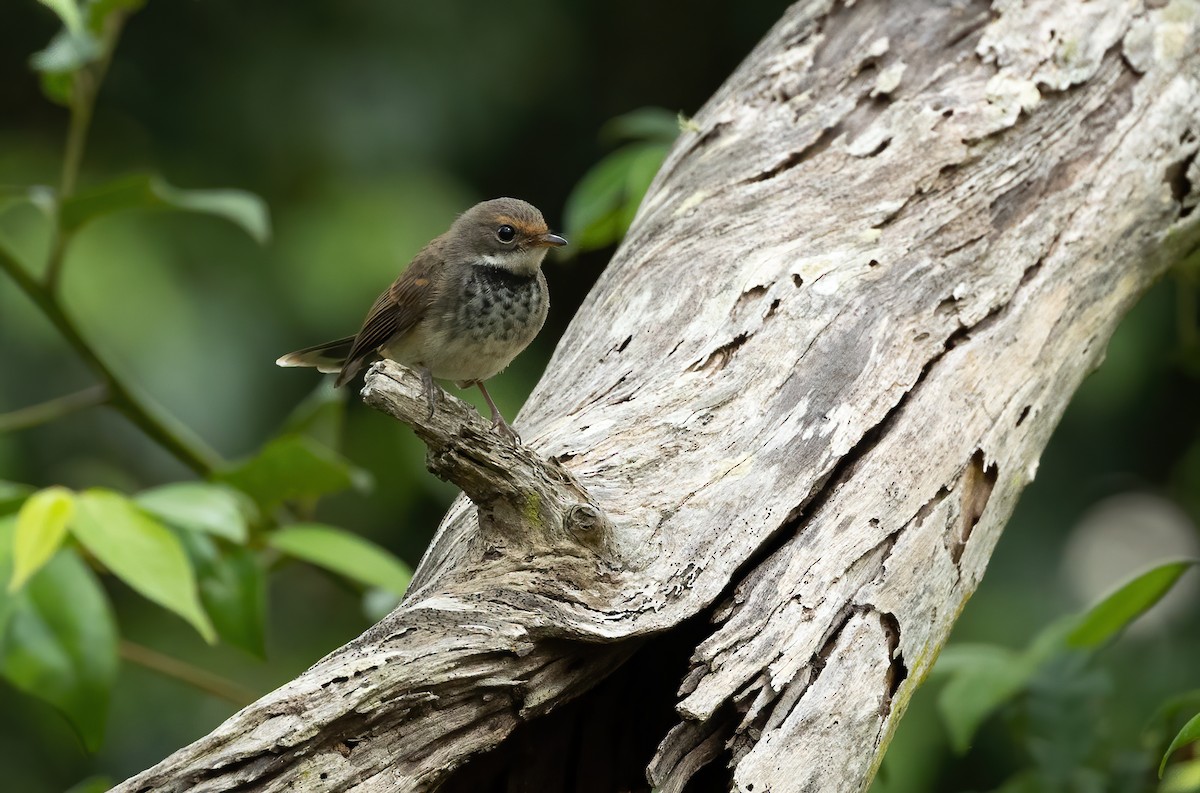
[504,232]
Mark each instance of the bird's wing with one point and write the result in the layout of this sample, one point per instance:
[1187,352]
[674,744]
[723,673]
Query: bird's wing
[397,310]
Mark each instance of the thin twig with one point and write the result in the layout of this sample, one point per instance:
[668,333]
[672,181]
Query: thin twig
[83,98]
[84,87]
[137,407]
[184,672]
[52,409]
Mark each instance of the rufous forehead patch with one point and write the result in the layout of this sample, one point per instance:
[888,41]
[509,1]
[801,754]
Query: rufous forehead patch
[523,226]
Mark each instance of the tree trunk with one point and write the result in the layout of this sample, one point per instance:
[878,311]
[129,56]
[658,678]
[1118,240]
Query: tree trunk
[796,412]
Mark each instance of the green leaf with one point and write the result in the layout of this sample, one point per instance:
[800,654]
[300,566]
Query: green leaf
[58,86]
[198,506]
[41,528]
[982,679]
[39,195]
[1055,718]
[1110,616]
[237,206]
[143,191]
[67,52]
[645,123]
[233,591]
[97,12]
[60,641]
[642,170]
[1051,640]
[12,496]
[72,48]
[345,553]
[962,657]
[1189,734]
[601,206]
[1170,708]
[68,12]
[592,210]
[8,527]
[141,552]
[294,466]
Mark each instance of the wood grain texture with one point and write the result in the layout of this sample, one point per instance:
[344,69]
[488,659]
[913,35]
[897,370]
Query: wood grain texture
[800,404]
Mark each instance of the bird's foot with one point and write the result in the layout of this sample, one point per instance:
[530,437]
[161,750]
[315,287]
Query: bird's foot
[433,394]
[498,422]
[504,428]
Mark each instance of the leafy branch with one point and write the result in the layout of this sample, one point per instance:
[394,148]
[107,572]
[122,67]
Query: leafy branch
[84,87]
[197,678]
[73,67]
[1052,677]
[602,205]
[139,409]
[200,550]
[52,409]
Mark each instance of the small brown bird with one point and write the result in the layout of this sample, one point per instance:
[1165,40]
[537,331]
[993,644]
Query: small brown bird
[469,302]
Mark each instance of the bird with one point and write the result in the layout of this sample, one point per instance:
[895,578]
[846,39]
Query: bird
[469,302]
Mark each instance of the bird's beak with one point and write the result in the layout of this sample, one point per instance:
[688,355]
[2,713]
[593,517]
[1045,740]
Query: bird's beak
[549,240]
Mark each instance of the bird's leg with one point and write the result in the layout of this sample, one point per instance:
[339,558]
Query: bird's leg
[433,394]
[498,422]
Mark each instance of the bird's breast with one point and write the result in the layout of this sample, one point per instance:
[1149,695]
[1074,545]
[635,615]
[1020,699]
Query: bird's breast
[498,306]
[479,326]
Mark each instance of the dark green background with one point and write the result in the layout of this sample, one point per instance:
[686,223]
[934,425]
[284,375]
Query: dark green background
[367,126]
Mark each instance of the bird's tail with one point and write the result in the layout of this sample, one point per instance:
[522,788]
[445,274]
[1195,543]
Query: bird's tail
[328,357]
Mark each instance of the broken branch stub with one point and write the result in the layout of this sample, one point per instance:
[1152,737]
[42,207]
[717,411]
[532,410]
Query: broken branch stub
[526,504]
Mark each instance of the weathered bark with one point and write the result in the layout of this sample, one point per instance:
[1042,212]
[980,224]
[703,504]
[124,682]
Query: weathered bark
[797,410]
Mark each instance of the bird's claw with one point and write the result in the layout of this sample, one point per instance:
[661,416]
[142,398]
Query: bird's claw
[433,394]
[504,428]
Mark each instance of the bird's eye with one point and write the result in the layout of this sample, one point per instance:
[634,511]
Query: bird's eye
[506,233]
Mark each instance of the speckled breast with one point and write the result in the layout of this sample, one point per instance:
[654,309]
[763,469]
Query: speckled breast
[501,307]
[492,316]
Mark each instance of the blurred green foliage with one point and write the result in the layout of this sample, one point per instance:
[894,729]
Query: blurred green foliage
[128,538]
[60,639]
[196,549]
[1048,686]
[146,191]
[601,207]
[1188,734]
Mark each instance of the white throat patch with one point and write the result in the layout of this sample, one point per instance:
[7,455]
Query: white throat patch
[521,262]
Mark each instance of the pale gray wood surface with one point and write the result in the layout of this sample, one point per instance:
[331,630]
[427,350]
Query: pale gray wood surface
[802,401]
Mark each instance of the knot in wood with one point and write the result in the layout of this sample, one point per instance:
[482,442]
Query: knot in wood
[582,519]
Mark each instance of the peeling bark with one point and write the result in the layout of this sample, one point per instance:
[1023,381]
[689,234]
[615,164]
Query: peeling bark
[796,412]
